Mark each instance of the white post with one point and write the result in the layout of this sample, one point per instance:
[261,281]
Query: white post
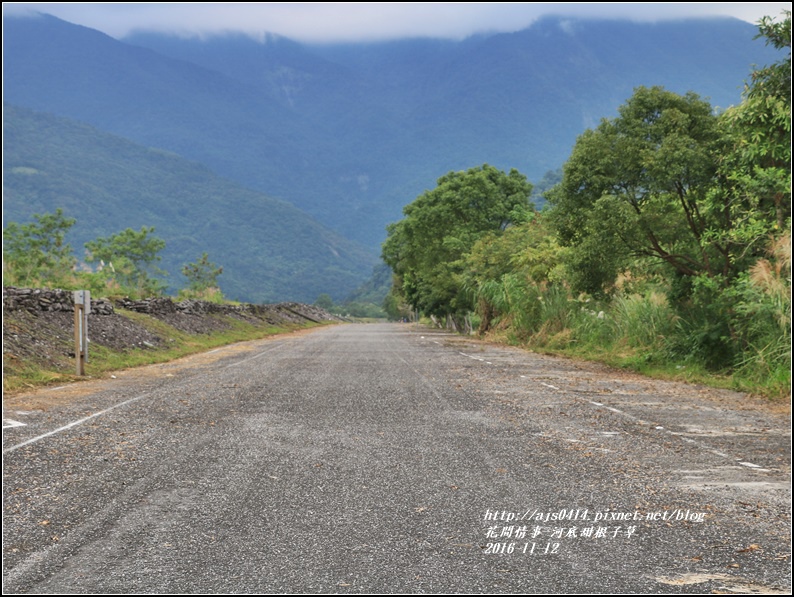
[82,307]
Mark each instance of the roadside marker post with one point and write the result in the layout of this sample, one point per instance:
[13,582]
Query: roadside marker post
[82,307]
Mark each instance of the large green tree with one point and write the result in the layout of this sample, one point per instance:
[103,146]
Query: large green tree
[753,196]
[635,187]
[426,249]
[672,187]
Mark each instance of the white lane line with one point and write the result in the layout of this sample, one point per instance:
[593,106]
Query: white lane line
[9,423]
[73,424]
[659,427]
[549,386]
[256,356]
[621,413]
[701,445]
[115,406]
[471,357]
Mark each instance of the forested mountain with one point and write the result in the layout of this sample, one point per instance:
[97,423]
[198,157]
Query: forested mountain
[269,250]
[405,112]
[350,133]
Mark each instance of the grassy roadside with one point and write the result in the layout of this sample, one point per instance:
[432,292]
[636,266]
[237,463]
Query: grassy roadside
[773,386]
[23,374]
[646,362]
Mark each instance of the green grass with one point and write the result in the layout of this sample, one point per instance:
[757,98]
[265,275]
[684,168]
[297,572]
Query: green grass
[776,387]
[637,332]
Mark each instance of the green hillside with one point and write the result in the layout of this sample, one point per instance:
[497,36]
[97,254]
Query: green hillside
[269,250]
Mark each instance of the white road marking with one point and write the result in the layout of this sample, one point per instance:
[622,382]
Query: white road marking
[639,421]
[73,424]
[256,356]
[471,357]
[9,423]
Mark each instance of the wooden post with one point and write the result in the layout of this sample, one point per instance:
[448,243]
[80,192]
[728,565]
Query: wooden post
[86,311]
[82,307]
[78,338]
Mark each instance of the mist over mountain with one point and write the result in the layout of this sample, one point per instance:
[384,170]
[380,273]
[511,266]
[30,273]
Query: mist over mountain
[350,133]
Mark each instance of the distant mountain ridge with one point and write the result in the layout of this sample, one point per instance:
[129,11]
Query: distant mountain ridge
[350,133]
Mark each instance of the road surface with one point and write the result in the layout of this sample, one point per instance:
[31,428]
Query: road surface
[392,459]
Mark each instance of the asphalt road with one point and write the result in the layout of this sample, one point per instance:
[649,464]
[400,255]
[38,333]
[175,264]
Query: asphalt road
[392,459]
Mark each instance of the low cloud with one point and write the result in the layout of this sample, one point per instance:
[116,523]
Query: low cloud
[334,22]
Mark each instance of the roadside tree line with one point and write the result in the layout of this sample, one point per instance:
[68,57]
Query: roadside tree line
[668,237]
[124,264]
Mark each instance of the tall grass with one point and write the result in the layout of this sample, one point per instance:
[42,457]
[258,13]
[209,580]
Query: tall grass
[645,332]
[559,315]
[642,321]
[511,303]
[764,320]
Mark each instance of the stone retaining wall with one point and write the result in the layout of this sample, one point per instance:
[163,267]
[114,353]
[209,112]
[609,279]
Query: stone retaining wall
[43,299]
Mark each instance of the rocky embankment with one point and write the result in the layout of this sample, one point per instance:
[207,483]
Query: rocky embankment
[38,324]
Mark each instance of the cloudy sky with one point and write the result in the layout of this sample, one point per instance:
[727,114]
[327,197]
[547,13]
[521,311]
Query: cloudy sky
[330,22]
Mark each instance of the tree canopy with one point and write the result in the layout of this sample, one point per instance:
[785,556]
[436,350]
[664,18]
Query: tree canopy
[754,191]
[129,257]
[202,274]
[426,249]
[634,187]
[671,182]
[36,252]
